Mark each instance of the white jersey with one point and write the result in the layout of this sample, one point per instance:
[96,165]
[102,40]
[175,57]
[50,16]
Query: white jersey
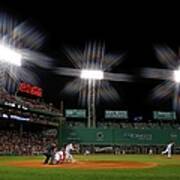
[68,149]
[169,146]
[59,155]
[168,149]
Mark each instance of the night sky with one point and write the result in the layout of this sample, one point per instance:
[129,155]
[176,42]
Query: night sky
[131,29]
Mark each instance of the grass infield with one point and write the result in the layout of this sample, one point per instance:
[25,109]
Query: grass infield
[166,169]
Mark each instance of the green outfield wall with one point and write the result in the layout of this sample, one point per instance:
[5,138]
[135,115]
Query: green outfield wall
[117,136]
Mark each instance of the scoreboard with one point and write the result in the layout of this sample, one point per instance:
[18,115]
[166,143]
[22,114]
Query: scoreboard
[30,89]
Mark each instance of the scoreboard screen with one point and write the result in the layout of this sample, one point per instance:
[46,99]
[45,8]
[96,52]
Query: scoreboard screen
[30,89]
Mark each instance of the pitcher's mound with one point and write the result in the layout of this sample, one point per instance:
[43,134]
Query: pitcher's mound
[85,165]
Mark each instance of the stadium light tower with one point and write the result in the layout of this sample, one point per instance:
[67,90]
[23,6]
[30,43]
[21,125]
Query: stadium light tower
[170,76]
[91,73]
[92,76]
[177,76]
[18,40]
[8,56]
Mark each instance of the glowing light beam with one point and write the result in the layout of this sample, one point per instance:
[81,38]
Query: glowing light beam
[170,86]
[10,55]
[93,57]
[92,74]
[92,65]
[177,76]
[18,45]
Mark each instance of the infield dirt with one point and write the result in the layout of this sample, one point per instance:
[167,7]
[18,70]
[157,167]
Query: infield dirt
[84,164]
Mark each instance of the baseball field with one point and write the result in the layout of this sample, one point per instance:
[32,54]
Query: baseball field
[91,167]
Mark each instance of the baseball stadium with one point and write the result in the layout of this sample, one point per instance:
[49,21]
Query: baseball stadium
[78,106]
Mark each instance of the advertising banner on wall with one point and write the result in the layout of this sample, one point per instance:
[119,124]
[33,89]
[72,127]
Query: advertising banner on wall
[116,114]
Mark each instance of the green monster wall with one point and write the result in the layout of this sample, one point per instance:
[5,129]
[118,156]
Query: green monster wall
[119,136]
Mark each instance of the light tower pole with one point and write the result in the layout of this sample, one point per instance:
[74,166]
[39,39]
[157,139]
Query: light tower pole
[91,101]
[91,76]
[89,105]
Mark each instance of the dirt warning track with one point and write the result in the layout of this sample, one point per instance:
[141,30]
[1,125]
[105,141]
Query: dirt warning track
[84,165]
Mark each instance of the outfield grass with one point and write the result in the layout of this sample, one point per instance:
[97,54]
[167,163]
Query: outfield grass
[167,169]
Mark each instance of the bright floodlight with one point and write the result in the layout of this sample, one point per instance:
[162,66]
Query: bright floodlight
[177,76]
[9,55]
[92,74]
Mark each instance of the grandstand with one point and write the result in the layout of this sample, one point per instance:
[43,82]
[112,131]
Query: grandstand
[26,125]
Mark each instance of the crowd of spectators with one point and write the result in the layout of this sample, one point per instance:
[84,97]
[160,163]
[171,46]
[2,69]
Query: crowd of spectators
[18,114]
[25,143]
[4,96]
[27,102]
[129,125]
[14,141]
[78,124]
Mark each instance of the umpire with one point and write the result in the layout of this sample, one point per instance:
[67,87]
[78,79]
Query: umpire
[49,153]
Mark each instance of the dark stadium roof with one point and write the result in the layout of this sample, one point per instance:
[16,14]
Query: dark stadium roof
[124,28]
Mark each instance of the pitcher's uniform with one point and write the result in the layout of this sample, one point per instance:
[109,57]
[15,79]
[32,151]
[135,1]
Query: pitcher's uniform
[168,150]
